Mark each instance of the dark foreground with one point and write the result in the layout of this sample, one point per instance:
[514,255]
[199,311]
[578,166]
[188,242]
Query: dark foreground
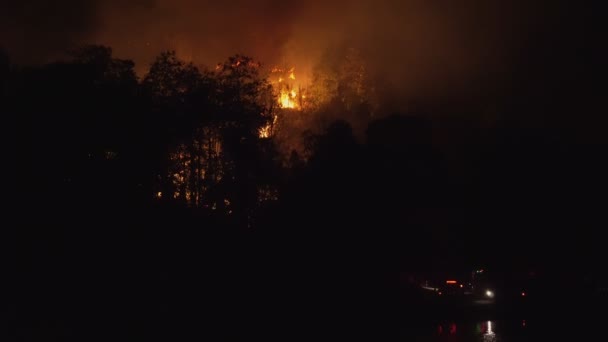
[515,330]
[137,281]
[556,317]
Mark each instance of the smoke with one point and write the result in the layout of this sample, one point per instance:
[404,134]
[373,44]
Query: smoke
[417,48]
[37,31]
[204,32]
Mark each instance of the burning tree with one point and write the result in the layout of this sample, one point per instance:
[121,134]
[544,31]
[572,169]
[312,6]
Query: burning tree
[224,123]
[289,95]
[214,119]
[341,89]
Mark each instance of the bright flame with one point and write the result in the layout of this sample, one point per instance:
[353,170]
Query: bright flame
[266,131]
[287,96]
[288,99]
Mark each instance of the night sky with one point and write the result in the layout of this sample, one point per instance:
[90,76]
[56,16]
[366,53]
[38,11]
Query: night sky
[469,49]
[185,199]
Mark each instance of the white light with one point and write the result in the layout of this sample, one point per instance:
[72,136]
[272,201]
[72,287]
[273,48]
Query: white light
[489,294]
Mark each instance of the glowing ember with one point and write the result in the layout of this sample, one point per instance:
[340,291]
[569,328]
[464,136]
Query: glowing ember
[288,99]
[287,96]
[266,131]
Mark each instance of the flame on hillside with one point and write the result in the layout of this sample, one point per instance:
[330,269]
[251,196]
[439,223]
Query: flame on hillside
[288,99]
[283,82]
[288,95]
[266,131]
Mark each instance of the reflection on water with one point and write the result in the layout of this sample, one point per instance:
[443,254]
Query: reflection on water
[451,329]
[482,331]
[515,329]
[489,335]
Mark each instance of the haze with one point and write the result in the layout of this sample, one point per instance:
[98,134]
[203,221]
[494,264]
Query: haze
[467,49]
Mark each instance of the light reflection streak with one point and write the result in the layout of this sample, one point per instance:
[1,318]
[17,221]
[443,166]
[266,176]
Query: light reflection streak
[489,335]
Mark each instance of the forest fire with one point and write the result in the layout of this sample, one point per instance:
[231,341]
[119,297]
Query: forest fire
[282,81]
[286,88]
[288,99]
[266,131]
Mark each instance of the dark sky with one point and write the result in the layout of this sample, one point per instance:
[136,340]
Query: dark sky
[420,47]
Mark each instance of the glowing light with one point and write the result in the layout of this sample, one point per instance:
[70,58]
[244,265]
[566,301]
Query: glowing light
[523,294]
[489,294]
[159,194]
[287,96]
[451,282]
[461,286]
[287,99]
[266,131]
[488,334]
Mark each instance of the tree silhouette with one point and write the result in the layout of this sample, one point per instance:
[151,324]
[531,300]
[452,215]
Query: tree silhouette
[137,182]
[105,66]
[176,92]
[4,69]
[245,104]
[212,120]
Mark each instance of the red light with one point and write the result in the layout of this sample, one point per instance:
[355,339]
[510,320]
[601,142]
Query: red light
[523,294]
[451,282]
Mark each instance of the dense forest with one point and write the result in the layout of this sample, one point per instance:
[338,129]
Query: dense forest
[188,195]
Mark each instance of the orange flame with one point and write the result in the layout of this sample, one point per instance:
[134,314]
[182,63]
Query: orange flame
[288,99]
[266,131]
[287,96]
